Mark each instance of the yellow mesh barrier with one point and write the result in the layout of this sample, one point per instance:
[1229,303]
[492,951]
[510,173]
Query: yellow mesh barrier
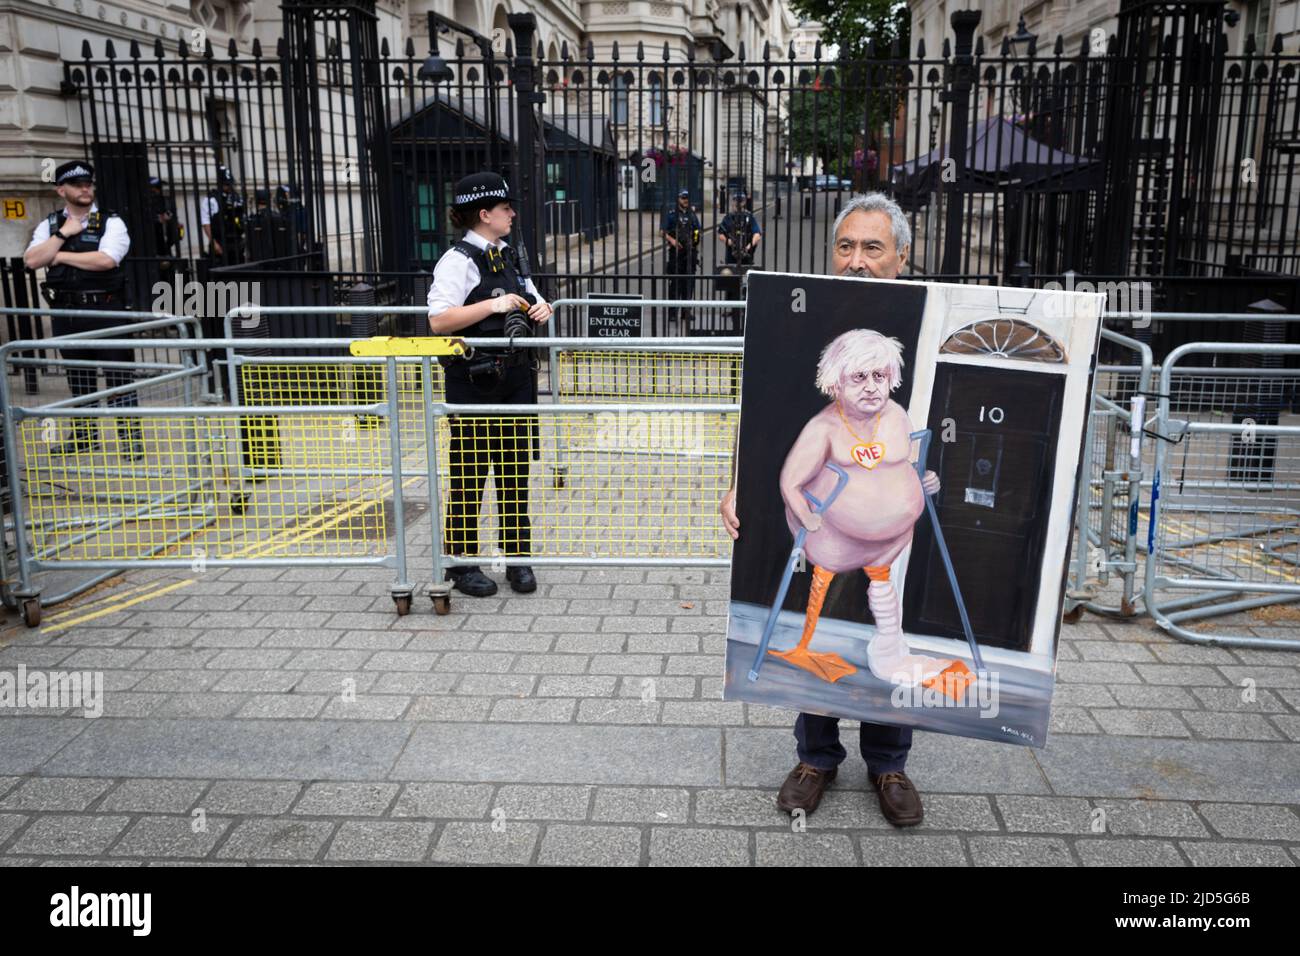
[670,377]
[123,489]
[337,383]
[315,484]
[610,484]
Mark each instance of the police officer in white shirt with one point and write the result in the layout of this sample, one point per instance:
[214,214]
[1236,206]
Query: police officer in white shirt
[478,291]
[81,250]
[221,214]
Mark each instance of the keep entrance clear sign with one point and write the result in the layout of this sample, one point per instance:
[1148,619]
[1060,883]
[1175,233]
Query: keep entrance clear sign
[614,321]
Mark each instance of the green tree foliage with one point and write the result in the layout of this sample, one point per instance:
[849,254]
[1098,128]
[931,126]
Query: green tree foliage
[858,92]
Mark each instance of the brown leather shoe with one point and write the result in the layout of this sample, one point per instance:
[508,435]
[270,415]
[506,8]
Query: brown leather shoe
[899,800]
[804,787]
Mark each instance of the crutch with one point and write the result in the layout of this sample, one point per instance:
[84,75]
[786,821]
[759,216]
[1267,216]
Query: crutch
[796,554]
[924,435]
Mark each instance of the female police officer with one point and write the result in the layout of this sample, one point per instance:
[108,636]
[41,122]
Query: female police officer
[476,286]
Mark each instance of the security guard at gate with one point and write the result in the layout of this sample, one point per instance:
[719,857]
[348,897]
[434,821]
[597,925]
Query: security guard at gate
[81,248]
[740,234]
[681,231]
[222,218]
[480,289]
[288,231]
[260,227]
[168,231]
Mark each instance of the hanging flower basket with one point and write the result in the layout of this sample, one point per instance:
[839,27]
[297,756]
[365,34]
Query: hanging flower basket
[673,156]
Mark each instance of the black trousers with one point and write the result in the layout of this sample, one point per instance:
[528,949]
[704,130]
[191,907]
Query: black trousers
[883,746]
[681,275]
[82,380]
[501,445]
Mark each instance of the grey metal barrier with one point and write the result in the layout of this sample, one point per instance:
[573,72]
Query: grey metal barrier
[1107,525]
[1225,500]
[175,493]
[325,481]
[145,381]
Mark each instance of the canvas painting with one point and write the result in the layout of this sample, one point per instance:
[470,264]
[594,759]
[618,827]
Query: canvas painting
[907,468]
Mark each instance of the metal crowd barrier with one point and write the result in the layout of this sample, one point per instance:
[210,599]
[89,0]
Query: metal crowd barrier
[317,463]
[319,456]
[1107,525]
[160,380]
[1225,498]
[614,370]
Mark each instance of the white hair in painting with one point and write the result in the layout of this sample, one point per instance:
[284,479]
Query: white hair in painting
[859,350]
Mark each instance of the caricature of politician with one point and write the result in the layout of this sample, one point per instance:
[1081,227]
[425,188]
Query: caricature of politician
[866,433]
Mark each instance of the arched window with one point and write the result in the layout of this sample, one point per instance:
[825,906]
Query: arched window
[620,98]
[656,101]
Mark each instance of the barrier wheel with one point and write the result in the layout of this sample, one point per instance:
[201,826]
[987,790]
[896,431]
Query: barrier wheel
[442,603]
[32,612]
[238,502]
[403,602]
[559,481]
[1073,615]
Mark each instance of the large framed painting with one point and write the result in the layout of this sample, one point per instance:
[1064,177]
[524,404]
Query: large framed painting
[907,473]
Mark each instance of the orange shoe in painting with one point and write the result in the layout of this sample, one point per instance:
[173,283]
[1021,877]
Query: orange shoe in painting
[829,667]
[952,681]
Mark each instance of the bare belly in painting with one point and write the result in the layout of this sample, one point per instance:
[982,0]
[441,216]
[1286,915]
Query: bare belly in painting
[870,523]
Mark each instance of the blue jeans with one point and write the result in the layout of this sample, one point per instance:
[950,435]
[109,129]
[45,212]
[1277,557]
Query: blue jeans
[884,747]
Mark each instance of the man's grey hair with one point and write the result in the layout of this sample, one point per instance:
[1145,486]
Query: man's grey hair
[877,202]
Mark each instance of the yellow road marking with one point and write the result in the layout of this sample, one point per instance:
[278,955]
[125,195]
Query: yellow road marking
[343,511]
[1242,550]
[63,625]
[78,608]
[139,598]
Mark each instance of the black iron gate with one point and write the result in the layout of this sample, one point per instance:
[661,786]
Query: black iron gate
[1157,154]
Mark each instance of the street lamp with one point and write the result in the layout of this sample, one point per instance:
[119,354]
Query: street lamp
[1021,36]
[435,70]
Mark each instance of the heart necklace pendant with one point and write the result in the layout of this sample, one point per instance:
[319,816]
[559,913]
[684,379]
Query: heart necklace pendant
[867,452]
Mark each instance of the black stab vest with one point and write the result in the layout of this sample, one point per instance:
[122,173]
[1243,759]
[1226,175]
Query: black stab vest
[497,269]
[228,221]
[65,278]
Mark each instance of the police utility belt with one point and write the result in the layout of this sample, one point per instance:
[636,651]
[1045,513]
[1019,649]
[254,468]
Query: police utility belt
[478,356]
[62,298]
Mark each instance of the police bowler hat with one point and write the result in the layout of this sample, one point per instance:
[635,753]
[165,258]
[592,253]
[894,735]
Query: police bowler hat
[471,189]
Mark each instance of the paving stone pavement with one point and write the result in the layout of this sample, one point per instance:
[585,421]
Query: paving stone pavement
[584,724]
